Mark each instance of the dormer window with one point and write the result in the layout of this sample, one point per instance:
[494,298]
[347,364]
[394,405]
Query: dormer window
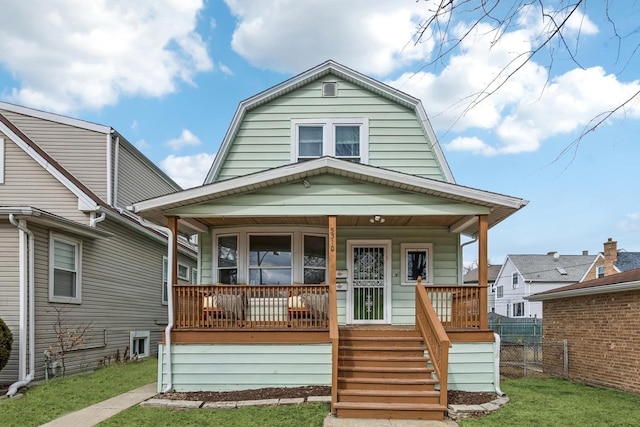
[343,138]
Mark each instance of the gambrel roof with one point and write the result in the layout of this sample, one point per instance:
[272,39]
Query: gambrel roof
[315,73]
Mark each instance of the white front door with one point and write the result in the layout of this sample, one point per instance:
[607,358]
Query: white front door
[369,291]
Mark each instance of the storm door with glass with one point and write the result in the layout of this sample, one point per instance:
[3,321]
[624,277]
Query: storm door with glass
[369,291]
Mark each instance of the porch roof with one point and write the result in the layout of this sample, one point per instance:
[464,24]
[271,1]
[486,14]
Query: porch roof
[498,206]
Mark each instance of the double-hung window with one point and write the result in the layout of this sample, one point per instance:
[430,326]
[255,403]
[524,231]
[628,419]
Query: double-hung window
[228,259]
[64,269]
[344,138]
[315,259]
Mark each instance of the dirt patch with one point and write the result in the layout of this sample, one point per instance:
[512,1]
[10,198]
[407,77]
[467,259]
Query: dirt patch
[454,397]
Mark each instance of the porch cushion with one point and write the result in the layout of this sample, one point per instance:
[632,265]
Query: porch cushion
[295,302]
[231,305]
[318,304]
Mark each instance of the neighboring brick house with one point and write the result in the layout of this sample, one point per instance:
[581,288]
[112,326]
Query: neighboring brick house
[471,278]
[613,261]
[524,275]
[600,319]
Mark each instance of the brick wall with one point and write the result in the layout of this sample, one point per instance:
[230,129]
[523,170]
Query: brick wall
[603,333]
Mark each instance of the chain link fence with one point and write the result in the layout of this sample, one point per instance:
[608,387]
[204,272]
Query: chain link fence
[526,359]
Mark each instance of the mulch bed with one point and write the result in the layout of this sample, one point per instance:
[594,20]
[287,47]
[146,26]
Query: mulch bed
[454,397]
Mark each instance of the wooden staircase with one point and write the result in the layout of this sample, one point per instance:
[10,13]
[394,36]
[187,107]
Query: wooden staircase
[383,373]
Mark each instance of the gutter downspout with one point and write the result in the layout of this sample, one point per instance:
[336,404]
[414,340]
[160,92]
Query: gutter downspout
[167,331]
[496,365]
[96,219]
[462,245]
[25,279]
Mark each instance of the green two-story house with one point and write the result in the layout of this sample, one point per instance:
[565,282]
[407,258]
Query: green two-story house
[329,231]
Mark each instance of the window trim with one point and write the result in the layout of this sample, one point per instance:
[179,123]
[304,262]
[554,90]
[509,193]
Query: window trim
[599,268]
[499,291]
[186,268]
[164,290]
[248,254]
[77,243]
[515,279]
[513,308]
[216,257]
[405,248]
[135,335]
[326,255]
[328,136]
[242,233]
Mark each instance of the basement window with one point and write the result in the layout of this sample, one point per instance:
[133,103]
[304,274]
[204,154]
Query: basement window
[139,343]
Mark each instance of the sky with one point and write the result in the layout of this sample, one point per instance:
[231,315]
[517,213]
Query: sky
[169,74]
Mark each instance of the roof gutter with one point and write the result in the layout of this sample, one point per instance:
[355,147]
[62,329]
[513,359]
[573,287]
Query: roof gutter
[593,290]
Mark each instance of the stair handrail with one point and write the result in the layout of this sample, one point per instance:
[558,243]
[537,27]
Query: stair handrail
[435,338]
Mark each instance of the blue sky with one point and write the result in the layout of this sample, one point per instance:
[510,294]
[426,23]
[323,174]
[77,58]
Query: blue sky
[168,75]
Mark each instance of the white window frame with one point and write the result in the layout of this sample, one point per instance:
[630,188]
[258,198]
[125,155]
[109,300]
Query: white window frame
[326,256]
[194,275]
[328,136]
[164,290]
[499,292]
[517,304]
[242,233]
[599,268]
[514,280]
[405,248]
[216,266]
[185,272]
[248,250]
[77,243]
[1,160]
[137,335]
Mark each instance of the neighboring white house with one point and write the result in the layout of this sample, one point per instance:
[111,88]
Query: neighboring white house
[471,278]
[523,275]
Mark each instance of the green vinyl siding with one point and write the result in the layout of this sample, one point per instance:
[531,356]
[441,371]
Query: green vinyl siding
[472,367]
[397,140]
[223,367]
[330,195]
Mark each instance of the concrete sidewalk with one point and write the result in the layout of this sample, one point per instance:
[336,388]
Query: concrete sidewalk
[99,412]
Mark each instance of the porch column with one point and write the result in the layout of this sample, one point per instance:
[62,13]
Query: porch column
[483,267]
[333,312]
[172,224]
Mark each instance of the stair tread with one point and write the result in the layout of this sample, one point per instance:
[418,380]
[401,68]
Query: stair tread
[381,347]
[408,393]
[400,369]
[391,406]
[389,380]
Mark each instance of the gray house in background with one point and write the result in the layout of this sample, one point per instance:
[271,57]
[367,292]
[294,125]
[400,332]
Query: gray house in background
[523,275]
[70,256]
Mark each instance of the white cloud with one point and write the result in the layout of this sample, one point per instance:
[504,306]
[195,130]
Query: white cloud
[142,145]
[291,35]
[85,55]
[473,144]
[630,223]
[185,139]
[188,171]
[226,70]
[527,109]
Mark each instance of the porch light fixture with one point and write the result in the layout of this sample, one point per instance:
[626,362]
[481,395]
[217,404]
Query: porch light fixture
[377,218]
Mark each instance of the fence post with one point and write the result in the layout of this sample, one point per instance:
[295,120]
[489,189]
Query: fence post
[524,357]
[565,350]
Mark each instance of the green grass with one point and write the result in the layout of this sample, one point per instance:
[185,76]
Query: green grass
[307,415]
[556,402]
[45,402]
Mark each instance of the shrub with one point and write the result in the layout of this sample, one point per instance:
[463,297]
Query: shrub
[6,339]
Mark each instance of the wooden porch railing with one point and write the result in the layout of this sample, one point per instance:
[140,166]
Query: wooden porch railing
[459,306]
[435,338]
[242,306]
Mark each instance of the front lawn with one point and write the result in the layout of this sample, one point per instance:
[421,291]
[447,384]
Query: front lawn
[45,402]
[556,402]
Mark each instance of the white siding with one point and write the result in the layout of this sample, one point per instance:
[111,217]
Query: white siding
[10,295]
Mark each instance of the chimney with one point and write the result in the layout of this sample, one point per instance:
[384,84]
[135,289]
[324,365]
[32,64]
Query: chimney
[554,254]
[585,253]
[610,256]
